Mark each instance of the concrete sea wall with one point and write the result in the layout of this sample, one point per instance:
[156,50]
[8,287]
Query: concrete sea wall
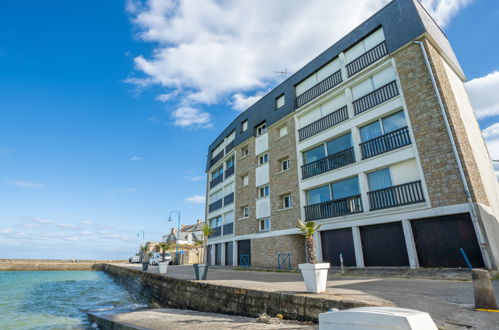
[206,297]
[53,264]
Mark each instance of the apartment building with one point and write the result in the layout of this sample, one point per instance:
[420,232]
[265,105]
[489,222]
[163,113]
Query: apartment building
[375,139]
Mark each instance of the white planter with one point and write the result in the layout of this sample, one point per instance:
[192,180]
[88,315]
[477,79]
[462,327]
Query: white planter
[315,276]
[163,266]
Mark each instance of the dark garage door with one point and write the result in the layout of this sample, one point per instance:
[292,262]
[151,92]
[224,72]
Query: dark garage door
[384,245]
[244,249]
[229,253]
[218,254]
[439,239]
[334,242]
[208,254]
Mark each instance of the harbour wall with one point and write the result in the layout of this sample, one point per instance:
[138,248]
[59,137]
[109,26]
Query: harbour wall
[206,297]
[53,264]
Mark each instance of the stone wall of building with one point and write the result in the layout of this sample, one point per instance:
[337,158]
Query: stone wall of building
[265,251]
[245,195]
[283,182]
[435,151]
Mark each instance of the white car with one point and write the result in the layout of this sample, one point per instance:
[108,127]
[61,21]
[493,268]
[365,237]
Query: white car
[134,260]
[158,257]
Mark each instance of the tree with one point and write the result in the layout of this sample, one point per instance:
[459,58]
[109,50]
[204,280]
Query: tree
[207,231]
[164,247]
[308,230]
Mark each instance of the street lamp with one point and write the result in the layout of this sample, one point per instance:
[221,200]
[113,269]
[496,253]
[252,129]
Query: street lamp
[178,233]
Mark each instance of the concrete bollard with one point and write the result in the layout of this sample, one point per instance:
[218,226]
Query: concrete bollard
[483,290]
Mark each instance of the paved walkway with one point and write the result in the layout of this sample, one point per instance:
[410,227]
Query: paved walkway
[450,303]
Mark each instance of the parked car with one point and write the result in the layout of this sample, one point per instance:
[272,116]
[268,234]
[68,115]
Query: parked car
[135,259]
[158,257]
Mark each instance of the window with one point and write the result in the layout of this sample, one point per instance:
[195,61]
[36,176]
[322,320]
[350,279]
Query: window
[244,152]
[286,201]
[264,224]
[244,212]
[216,222]
[383,126]
[216,196]
[283,131]
[318,76]
[261,129]
[334,191]
[379,179]
[229,189]
[376,81]
[263,159]
[339,144]
[363,46]
[231,137]
[244,126]
[245,180]
[285,164]
[263,191]
[229,163]
[217,150]
[279,102]
[229,217]
[218,172]
[314,154]
[318,195]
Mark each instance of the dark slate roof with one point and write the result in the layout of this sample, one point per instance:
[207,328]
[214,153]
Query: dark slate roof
[402,22]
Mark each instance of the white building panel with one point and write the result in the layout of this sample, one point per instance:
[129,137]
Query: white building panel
[404,172]
[333,104]
[309,117]
[261,143]
[374,39]
[262,175]
[263,208]
[328,70]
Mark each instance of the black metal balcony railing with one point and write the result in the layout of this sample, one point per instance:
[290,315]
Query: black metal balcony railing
[229,199]
[229,146]
[324,123]
[384,143]
[228,229]
[215,205]
[216,181]
[229,171]
[403,194]
[367,58]
[319,88]
[378,96]
[335,208]
[217,231]
[217,157]
[328,163]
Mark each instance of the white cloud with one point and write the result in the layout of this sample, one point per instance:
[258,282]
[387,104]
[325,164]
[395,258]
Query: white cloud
[188,116]
[196,177]
[85,233]
[39,220]
[484,95]
[198,199]
[136,158]
[443,10]
[87,223]
[210,51]
[26,184]
[71,238]
[129,190]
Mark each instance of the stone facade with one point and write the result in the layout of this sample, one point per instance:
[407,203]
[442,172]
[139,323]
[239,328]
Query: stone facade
[265,251]
[435,151]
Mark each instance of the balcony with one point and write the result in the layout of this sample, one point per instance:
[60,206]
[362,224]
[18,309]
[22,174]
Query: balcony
[319,88]
[335,208]
[216,181]
[328,163]
[215,159]
[378,96]
[215,205]
[228,229]
[229,199]
[324,123]
[384,143]
[229,146]
[403,194]
[217,231]
[367,59]
[229,171]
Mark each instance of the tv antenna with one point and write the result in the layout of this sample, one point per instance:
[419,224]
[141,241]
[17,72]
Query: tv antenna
[284,73]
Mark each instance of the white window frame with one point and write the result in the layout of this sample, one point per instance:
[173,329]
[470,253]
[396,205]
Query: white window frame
[265,221]
[280,101]
[284,201]
[245,212]
[261,191]
[283,162]
[263,159]
[283,129]
[244,126]
[261,129]
[245,184]
[244,152]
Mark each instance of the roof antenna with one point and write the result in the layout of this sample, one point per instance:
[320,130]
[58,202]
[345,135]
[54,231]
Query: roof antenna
[284,73]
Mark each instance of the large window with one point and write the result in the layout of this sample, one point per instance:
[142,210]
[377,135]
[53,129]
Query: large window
[383,126]
[331,147]
[218,172]
[216,196]
[379,179]
[230,162]
[229,217]
[334,191]
[314,154]
[216,222]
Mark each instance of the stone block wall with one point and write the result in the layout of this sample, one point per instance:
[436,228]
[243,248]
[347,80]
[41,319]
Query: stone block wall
[265,251]
[245,195]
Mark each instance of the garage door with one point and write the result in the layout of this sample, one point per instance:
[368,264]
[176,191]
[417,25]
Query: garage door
[384,245]
[334,242]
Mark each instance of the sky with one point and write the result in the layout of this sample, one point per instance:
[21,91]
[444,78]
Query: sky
[107,108]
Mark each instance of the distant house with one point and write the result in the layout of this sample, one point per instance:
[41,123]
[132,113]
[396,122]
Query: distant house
[189,234]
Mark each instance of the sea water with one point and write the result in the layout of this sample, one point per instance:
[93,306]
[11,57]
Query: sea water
[57,299]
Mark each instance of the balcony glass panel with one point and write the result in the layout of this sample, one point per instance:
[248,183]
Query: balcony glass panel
[228,229]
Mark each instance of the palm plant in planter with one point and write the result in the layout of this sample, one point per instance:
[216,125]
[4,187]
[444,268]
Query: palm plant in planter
[201,269]
[163,265]
[146,255]
[314,274]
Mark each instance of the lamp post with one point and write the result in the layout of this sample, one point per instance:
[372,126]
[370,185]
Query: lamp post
[178,233]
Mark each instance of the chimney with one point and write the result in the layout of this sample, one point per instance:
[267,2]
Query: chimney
[199,221]
[182,227]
